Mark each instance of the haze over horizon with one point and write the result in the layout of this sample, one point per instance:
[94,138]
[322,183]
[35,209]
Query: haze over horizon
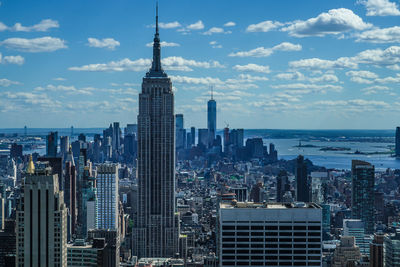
[273,65]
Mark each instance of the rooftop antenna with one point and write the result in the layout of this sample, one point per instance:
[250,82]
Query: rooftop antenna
[157,17]
[212,92]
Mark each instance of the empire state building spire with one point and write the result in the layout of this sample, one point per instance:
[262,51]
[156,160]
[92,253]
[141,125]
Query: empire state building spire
[156,69]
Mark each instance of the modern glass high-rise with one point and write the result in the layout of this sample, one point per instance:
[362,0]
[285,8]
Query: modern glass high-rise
[107,196]
[302,182]
[391,250]
[363,196]
[156,232]
[211,120]
[180,132]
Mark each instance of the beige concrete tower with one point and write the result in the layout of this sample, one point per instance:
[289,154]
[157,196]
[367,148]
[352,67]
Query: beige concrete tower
[41,221]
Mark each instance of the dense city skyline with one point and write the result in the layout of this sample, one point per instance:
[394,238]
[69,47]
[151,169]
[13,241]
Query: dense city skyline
[283,65]
[162,185]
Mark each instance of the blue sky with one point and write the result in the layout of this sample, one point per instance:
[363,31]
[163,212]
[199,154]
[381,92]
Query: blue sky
[284,64]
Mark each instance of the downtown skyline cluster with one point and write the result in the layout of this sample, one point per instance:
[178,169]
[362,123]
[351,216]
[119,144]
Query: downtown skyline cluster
[320,65]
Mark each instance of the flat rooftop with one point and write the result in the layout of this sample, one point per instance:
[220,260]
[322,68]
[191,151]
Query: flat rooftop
[272,205]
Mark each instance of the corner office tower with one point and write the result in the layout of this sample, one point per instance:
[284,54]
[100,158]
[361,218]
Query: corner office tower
[156,232]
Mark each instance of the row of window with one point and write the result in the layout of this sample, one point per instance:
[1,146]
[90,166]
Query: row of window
[276,240]
[271,227]
[270,263]
[225,233]
[284,257]
[270,251]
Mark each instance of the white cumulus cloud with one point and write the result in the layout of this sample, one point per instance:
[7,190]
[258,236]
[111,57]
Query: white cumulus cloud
[6,82]
[216,30]
[168,63]
[264,26]
[252,67]
[108,43]
[230,24]
[18,60]
[380,8]
[335,21]
[42,26]
[169,25]
[42,44]
[385,35]
[265,52]
[196,26]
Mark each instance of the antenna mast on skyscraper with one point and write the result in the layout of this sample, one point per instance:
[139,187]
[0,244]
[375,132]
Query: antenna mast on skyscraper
[156,17]
[212,92]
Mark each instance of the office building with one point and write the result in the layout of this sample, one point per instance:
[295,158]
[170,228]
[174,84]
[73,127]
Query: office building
[8,242]
[180,132]
[64,145]
[391,250]
[269,234]
[110,254]
[81,253]
[156,232]
[41,221]
[302,181]
[202,137]
[107,196]
[116,137]
[51,144]
[193,135]
[363,195]
[240,193]
[355,227]
[16,151]
[346,253]
[376,251]
[282,185]
[70,190]
[211,119]
[131,129]
[89,203]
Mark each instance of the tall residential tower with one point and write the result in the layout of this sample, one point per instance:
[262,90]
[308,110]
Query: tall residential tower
[156,233]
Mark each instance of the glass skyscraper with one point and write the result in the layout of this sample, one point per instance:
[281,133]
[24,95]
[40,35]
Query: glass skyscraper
[363,196]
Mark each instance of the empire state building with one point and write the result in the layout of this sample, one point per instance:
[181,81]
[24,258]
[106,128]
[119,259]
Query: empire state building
[156,230]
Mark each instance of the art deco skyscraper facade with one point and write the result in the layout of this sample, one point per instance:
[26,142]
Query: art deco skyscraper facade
[156,232]
[41,221]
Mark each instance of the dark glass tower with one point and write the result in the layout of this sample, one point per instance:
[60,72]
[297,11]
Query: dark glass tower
[303,185]
[211,119]
[363,195]
[51,144]
[156,232]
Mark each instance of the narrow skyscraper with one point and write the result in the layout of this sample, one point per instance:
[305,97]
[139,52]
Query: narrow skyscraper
[107,196]
[302,182]
[156,233]
[51,144]
[211,119]
[363,195]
